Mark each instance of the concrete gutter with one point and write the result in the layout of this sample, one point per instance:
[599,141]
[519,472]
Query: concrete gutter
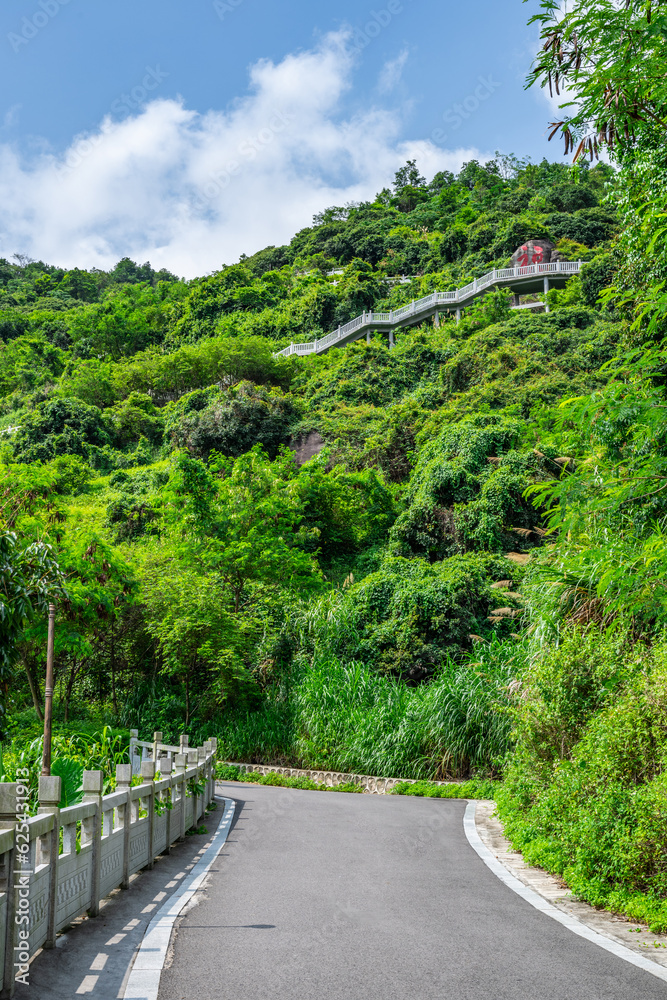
[144,980]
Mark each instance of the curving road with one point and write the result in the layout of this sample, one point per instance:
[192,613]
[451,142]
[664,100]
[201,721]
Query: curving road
[327,896]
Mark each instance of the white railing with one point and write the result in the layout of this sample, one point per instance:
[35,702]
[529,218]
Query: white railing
[460,297]
[105,840]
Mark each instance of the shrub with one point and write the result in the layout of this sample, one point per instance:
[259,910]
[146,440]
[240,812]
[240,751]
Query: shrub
[60,427]
[408,617]
[477,788]
[234,421]
[467,491]
[584,795]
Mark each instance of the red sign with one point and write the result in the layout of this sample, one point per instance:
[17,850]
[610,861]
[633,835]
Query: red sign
[530,256]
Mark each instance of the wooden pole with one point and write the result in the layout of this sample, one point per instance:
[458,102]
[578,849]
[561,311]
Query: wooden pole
[48,693]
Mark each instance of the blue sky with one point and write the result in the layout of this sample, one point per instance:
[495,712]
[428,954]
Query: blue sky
[189,133]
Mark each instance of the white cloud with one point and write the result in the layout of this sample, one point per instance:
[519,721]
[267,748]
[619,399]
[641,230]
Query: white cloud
[392,72]
[191,191]
[11,116]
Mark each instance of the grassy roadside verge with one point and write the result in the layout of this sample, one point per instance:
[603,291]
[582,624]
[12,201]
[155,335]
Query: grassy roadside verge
[476,788]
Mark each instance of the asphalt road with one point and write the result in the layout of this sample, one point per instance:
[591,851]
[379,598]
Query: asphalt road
[357,897]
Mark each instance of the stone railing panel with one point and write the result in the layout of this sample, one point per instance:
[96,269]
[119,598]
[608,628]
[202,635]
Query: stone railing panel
[105,839]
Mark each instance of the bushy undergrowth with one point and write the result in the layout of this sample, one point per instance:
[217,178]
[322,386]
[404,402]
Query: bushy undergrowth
[476,788]
[585,794]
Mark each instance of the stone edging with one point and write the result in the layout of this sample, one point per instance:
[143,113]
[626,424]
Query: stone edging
[371,785]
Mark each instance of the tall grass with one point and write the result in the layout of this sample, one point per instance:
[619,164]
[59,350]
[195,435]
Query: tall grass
[265,736]
[346,717]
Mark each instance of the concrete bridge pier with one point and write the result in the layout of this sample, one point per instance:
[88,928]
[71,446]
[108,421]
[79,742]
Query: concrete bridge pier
[368,336]
[546,289]
[458,315]
[392,342]
[436,318]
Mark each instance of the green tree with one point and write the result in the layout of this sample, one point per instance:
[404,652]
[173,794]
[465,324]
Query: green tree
[59,427]
[80,285]
[243,518]
[607,61]
[201,644]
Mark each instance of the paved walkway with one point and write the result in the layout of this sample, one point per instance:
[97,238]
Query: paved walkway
[94,959]
[327,896]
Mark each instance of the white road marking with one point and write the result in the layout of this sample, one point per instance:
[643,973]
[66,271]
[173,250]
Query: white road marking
[99,962]
[144,980]
[88,985]
[541,904]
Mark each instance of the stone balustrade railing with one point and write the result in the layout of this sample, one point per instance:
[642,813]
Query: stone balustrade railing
[431,305]
[59,865]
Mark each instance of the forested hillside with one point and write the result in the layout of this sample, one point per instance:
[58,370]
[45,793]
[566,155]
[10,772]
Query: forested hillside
[467,579]
[147,426]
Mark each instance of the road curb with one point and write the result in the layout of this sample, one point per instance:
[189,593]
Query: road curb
[541,904]
[144,980]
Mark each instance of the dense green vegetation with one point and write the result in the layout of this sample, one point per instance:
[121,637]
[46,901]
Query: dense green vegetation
[209,581]
[467,581]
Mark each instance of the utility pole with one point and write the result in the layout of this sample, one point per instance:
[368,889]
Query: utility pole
[48,692]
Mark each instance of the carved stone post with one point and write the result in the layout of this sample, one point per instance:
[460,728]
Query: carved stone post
[208,747]
[134,736]
[124,784]
[193,757]
[201,779]
[165,772]
[147,779]
[181,764]
[214,761]
[8,797]
[49,802]
[91,829]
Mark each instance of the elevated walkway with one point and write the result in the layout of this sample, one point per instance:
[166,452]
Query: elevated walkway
[534,278]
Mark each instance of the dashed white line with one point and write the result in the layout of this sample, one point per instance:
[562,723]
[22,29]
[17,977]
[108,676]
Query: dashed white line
[88,984]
